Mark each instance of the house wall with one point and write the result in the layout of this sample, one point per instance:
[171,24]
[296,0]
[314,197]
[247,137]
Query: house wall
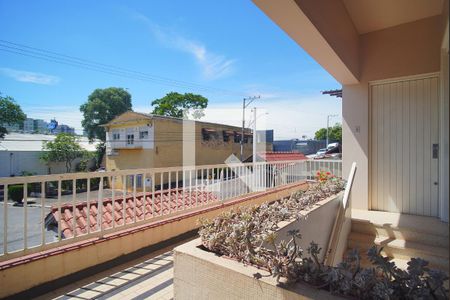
[404,50]
[168,147]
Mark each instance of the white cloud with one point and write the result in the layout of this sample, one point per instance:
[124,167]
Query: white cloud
[32,77]
[214,66]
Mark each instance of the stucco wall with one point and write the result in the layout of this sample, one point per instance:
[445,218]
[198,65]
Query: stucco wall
[404,50]
[199,274]
[315,225]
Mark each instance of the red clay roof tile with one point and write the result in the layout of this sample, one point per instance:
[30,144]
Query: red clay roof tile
[178,201]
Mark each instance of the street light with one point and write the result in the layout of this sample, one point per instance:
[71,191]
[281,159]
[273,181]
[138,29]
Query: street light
[328,125]
[245,102]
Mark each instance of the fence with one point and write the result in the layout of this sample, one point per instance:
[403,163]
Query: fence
[54,210]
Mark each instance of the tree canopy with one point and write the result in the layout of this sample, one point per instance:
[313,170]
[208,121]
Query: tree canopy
[334,133]
[102,106]
[64,148]
[174,105]
[10,113]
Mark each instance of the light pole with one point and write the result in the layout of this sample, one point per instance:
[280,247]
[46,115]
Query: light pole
[245,102]
[328,125]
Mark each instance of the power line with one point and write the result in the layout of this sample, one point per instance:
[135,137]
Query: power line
[51,56]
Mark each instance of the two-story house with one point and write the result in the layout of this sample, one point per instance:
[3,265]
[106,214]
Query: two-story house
[137,141]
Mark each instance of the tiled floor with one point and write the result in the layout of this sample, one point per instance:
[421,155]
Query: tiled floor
[149,277]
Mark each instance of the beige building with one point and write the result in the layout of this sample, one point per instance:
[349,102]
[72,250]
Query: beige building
[136,140]
[391,57]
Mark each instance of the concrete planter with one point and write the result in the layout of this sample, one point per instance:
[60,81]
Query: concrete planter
[199,274]
[315,223]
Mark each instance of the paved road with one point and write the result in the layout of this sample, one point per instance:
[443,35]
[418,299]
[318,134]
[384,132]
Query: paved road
[15,227]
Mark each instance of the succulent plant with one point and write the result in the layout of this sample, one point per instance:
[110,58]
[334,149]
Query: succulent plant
[242,233]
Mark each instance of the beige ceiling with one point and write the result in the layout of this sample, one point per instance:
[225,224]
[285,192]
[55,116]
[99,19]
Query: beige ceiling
[372,15]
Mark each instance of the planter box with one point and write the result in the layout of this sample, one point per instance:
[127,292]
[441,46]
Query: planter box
[316,224]
[199,274]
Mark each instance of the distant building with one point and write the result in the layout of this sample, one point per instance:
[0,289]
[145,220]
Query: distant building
[21,152]
[30,125]
[13,127]
[264,140]
[304,146]
[285,145]
[62,128]
[40,126]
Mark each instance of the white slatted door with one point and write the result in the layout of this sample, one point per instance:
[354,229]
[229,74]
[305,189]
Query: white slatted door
[404,126]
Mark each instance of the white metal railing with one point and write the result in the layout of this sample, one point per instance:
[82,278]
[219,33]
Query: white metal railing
[64,208]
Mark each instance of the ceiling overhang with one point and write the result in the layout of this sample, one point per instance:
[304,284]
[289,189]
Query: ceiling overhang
[288,16]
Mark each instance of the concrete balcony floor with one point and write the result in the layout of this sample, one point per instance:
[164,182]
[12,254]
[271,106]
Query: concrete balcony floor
[147,277]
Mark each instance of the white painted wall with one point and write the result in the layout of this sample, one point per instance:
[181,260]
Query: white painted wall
[15,162]
[146,143]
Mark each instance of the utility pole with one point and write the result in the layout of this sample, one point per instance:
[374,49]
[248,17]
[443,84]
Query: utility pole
[245,102]
[254,137]
[328,125]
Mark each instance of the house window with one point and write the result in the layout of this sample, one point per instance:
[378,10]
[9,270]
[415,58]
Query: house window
[143,135]
[139,180]
[237,138]
[226,137]
[130,139]
[116,136]
[208,134]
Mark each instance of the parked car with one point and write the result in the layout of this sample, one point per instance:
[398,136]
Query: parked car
[321,152]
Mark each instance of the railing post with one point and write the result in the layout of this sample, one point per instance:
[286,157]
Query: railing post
[124,201]
[88,203]
[100,205]
[190,188]
[5,219]
[161,193]
[59,209]
[176,189]
[43,213]
[113,200]
[74,194]
[153,194]
[25,215]
[144,195]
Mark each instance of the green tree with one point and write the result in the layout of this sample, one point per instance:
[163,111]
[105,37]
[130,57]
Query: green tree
[64,148]
[102,106]
[175,104]
[10,113]
[334,133]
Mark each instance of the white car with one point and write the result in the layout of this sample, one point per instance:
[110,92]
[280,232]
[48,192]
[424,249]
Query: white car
[321,152]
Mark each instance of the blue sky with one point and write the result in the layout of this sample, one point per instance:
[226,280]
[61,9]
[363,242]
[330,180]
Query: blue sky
[228,45]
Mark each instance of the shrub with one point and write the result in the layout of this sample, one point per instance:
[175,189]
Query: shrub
[15,193]
[242,233]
